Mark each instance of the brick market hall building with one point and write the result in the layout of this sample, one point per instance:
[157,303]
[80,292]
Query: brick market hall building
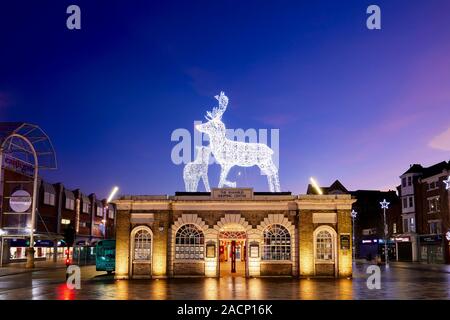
[234,231]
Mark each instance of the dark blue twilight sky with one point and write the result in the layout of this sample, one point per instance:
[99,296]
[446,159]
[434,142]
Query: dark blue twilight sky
[351,104]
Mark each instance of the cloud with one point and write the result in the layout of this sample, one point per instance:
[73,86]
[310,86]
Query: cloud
[441,141]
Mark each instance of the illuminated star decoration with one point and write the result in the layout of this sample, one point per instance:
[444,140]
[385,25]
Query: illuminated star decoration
[384,204]
[447,183]
[447,235]
[354,214]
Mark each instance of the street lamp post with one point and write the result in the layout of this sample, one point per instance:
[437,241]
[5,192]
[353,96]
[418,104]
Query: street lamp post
[353,214]
[385,205]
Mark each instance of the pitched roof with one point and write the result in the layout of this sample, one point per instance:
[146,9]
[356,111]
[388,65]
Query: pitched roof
[414,168]
[336,188]
[435,169]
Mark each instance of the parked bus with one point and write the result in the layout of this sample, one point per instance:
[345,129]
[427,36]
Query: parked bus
[105,258]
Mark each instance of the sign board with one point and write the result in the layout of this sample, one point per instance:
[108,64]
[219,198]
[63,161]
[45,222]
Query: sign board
[254,250]
[18,166]
[210,250]
[20,201]
[232,194]
[345,241]
[430,239]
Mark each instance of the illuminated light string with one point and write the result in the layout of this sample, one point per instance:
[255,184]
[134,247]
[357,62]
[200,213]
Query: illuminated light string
[384,204]
[196,170]
[228,153]
[447,183]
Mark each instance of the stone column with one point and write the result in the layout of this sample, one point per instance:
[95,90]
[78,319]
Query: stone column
[122,244]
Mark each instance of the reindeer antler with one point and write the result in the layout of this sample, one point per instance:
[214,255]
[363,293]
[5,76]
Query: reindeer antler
[217,112]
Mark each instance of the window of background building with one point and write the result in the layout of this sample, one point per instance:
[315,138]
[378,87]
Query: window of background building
[405,203]
[409,225]
[412,224]
[404,182]
[99,211]
[86,207]
[111,213]
[189,242]
[70,204]
[277,243]
[65,221]
[435,227]
[394,228]
[409,181]
[405,225]
[434,205]
[411,202]
[49,198]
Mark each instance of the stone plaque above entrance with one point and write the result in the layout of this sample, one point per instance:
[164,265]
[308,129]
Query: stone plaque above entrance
[232,194]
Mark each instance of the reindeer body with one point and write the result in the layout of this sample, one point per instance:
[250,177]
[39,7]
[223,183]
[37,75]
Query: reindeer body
[196,170]
[229,153]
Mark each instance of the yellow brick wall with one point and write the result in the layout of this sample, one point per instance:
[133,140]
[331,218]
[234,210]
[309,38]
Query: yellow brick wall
[122,244]
[306,250]
[345,256]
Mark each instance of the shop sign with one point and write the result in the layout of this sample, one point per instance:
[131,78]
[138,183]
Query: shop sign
[18,166]
[211,250]
[232,194]
[20,201]
[431,239]
[402,239]
[345,241]
[254,250]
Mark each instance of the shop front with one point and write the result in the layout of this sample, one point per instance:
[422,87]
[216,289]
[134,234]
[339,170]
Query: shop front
[432,248]
[372,248]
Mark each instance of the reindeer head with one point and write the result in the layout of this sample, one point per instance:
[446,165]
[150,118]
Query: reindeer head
[215,127]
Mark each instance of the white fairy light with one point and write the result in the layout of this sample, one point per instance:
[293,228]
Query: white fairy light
[384,204]
[229,153]
[197,169]
[447,183]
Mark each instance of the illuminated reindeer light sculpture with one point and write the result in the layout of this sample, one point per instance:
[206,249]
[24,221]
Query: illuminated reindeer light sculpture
[229,153]
[196,170]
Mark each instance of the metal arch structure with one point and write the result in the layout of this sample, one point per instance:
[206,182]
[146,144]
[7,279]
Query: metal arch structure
[27,143]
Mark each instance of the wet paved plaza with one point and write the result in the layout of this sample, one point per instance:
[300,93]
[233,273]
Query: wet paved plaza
[396,283]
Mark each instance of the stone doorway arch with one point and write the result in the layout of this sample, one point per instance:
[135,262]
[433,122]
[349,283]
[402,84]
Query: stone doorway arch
[232,235]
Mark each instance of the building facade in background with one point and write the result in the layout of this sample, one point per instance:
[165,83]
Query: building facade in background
[57,208]
[369,223]
[425,205]
[234,231]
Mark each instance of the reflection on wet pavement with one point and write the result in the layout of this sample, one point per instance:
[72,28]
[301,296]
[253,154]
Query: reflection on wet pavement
[396,283]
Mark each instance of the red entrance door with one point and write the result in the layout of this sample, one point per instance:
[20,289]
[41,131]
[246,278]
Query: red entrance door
[233,256]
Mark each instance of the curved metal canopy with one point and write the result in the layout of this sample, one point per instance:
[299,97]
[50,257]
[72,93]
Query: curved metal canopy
[22,140]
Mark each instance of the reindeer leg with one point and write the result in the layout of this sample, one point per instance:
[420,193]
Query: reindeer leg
[206,182]
[223,176]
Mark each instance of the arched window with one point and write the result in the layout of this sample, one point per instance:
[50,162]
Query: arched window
[277,243]
[324,246]
[189,243]
[142,245]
